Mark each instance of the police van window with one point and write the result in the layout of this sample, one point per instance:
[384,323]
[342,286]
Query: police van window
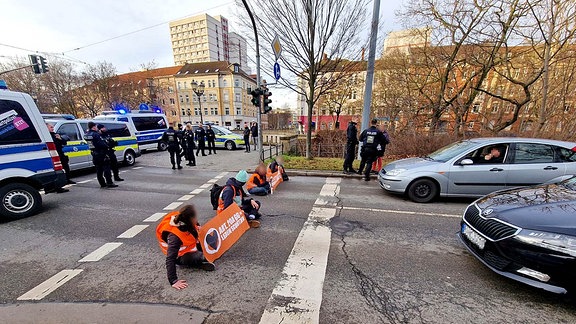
[123,119]
[70,130]
[15,124]
[117,130]
[149,123]
[84,127]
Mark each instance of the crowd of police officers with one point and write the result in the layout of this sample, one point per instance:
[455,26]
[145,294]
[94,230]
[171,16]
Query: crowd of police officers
[374,143]
[183,143]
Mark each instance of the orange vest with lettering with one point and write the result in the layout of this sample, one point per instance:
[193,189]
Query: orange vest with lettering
[188,240]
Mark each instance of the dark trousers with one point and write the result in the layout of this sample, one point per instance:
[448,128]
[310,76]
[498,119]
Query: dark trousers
[189,151]
[191,259]
[201,147]
[350,154]
[103,174]
[175,157]
[66,165]
[250,210]
[255,140]
[247,143]
[114,164]
[368,157]
[211,146]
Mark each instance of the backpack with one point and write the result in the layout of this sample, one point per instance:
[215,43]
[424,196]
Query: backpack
[215,195]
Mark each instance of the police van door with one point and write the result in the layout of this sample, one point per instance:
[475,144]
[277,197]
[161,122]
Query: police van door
[77,148]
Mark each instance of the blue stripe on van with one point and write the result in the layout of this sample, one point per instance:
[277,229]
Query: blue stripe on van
[152,131]
[149,138]
[127,142]
[34,165]
[22,149]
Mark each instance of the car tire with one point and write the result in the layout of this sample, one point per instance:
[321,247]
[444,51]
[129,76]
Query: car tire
[162,146]
[19,200]
[129,158]
[230,146]
[423,190]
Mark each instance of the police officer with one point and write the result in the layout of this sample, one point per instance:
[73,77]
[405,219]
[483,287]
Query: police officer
[210,138]
[111,153]
[99,149]
[351,142]
[201,139]
[189,144]
[370,138]
[171,137]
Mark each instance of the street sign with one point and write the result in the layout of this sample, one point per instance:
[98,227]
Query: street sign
[277,71]
[276,47]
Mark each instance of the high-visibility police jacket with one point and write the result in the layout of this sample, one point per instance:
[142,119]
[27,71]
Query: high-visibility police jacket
[167,225]
[255,180]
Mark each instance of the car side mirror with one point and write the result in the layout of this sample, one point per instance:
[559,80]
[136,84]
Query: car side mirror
[466,162]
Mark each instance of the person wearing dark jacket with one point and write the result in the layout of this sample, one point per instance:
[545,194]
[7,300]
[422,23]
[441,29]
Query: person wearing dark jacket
[351,142]
[111,152]
[171,137]
[99,149]
[246,134]
[371,138]
[234,194]
[189,145]
[210,138]
[254,132]
[60,142]
[177,235]
[201,139]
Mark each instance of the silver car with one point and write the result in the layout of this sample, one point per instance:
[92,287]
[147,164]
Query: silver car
[475,167]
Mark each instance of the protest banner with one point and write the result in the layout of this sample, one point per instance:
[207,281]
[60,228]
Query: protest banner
[222,231]
[275,179]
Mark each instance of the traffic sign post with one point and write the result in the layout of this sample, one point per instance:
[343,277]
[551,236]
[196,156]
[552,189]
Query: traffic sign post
[276,71]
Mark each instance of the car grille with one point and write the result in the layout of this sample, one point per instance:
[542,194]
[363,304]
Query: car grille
[495,260]
[491,228]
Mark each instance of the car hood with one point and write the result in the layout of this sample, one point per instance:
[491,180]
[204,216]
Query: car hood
[549,208]
[411,163]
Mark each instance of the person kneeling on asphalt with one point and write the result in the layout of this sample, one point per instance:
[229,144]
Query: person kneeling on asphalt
[177,235]
[233,193]
[257,184]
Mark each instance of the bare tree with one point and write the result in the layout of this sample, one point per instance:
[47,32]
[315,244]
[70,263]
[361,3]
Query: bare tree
[317,36]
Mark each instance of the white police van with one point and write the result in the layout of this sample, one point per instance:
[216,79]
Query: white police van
[147,125]
[28,158]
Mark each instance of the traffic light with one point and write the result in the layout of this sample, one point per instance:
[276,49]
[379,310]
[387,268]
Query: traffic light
[266,100]
[34,63]
[43,64]
[256,93]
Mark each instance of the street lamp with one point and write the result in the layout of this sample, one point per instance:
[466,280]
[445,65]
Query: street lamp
[199,91]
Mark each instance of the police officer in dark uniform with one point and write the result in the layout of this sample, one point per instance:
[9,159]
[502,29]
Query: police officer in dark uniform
[189,144]
[201,139]
[99,149]
[370,138]
[351,142]
[211,138]
[170,136]
[111,152]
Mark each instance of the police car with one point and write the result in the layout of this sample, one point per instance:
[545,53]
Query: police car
[148,126]
[77,149]
[224,137]
[28,158]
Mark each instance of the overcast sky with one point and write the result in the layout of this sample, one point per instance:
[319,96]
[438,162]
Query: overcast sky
[62,26]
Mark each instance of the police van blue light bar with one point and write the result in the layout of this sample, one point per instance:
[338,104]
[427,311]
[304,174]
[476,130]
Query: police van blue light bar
[3,85]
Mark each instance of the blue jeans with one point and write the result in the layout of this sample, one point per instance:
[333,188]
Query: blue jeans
[259,191]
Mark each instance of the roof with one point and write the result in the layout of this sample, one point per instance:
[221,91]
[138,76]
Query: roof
[208,68]
[148,74]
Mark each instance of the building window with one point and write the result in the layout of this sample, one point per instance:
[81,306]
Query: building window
[172,101]
[470,125]
[495,108]
[226,111]
[353,95]
[476,108]
[181,99]
[179,85]
[226,97]
[566,108]
[224,83]
[237,97]
[236,83]
[196,111]
[238,110]
[170,89]
[187,99]
[206,111]
[214,111]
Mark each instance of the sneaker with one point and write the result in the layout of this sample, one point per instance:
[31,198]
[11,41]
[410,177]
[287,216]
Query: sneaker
[112,185]
[251,217]
[71,182]
[208,266]
[254,223]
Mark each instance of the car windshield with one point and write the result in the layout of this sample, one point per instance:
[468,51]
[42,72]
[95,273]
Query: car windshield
[223,130]
[448,152]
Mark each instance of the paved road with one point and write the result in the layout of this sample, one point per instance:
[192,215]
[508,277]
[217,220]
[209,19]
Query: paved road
[330,250]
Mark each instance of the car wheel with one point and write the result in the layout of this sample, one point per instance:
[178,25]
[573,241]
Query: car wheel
[423,190]
[230,146]
[129,158]
[19,200]
[162,146]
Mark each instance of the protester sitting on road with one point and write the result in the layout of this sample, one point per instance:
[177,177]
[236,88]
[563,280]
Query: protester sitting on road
[233,193]
[257,184]
[177,235]
[278,164]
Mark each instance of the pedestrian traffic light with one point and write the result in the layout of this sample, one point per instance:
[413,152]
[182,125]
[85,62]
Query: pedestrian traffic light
[34,63]
[256,93]
[43,64]
[266,100]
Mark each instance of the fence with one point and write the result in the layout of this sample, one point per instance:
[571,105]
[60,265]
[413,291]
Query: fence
[271,151]
[321,150]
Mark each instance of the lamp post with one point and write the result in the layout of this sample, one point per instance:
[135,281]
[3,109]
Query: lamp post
[199,91]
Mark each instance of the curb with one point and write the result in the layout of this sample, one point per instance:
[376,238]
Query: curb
[330,174]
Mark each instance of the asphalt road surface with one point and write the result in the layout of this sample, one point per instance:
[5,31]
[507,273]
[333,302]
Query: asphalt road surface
[330,250]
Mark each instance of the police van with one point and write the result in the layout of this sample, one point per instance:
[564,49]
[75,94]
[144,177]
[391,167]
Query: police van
[28,158]
[224,138]
[77,149]
[147,125]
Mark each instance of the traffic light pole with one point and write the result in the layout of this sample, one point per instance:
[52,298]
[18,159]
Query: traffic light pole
[259,114]
[16,69]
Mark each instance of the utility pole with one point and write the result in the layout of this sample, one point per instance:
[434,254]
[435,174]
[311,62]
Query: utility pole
[370,69]
[259,119]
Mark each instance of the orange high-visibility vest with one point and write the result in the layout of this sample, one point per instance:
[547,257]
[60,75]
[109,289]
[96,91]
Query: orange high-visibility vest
[188,240]
[221,201]
[251,182]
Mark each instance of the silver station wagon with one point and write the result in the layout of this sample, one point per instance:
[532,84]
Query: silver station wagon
[476,167]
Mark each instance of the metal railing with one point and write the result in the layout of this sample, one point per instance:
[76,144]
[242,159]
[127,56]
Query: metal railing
[271,151]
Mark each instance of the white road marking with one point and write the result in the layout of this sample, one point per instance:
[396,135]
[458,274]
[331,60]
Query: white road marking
[173,206]
[133,231]
[100,252]
[303,275]
[155,217]
[51,284]
[205,186]
[186,197]
[137,168]
[83,182]
[196,191]
[211,181]
[324,202]
[221,175]
[402,212]
[330,190]
[333,180]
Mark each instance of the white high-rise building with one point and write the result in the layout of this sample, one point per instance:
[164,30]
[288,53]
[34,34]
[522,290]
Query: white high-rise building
[238,51]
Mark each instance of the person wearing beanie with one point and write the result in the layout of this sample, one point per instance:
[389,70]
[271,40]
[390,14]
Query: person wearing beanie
[234,193]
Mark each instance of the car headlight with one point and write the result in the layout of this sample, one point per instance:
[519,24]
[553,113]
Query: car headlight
[556,242]
[395,172]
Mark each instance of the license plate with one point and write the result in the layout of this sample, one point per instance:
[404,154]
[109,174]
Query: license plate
[473,237]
